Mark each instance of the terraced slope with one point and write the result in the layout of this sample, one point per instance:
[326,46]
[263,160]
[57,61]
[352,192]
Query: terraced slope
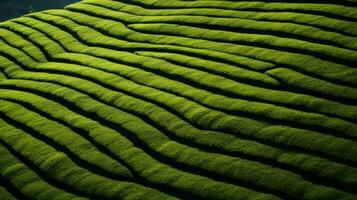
[174,99]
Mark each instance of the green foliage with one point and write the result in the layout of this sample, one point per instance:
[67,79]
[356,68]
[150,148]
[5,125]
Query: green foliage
[166,99]
[5,194]
[184,9]
[63,136]
[306,82]
[26,180]
[58,166]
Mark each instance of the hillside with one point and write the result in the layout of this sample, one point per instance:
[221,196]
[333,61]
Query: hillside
[180,99]
[15,8]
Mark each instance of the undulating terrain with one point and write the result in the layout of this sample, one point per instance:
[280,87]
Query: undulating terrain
[179,99]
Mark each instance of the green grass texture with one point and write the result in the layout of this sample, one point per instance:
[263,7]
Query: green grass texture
[180,99]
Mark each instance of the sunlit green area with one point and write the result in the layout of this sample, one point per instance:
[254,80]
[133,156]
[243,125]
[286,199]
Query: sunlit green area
[180,99]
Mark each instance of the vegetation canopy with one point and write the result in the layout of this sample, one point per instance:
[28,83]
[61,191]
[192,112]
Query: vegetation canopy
[180,99]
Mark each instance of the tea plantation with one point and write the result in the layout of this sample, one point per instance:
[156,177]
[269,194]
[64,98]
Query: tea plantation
[180,99]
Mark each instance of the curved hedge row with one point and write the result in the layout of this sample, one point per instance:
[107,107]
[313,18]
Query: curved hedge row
[174,99]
